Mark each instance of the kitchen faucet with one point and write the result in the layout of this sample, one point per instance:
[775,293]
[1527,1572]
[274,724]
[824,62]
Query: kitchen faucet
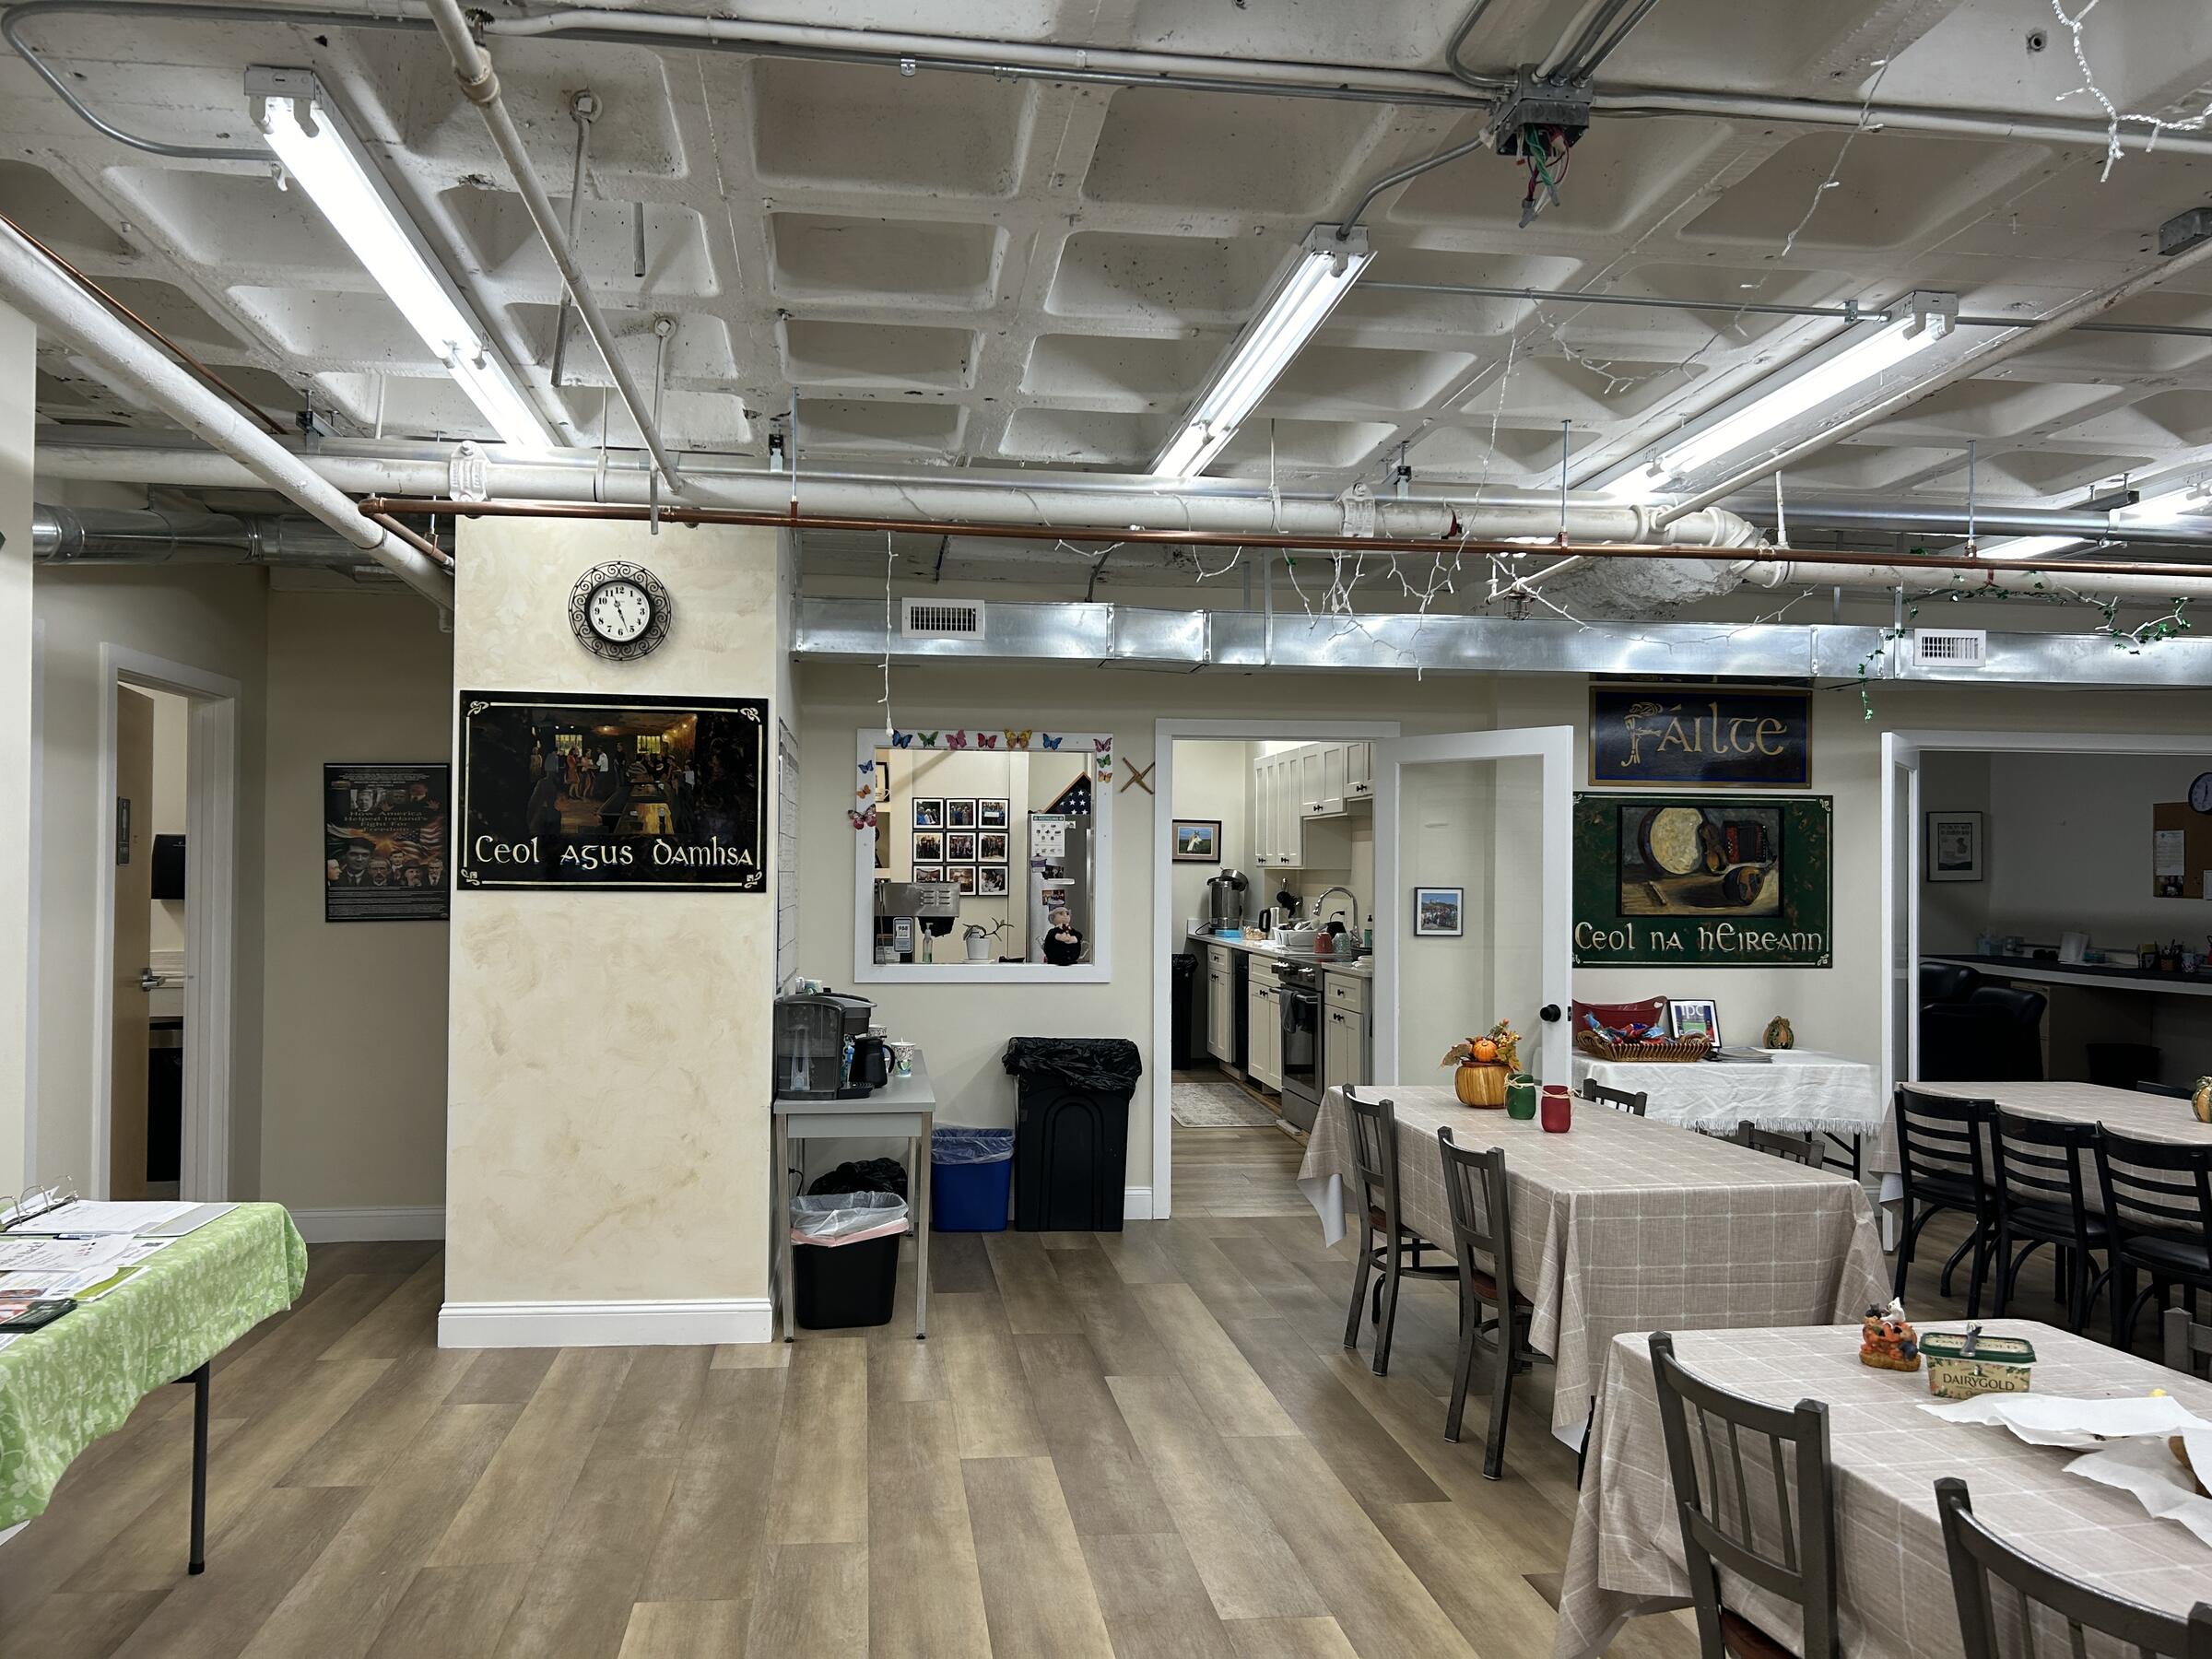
[1321,913]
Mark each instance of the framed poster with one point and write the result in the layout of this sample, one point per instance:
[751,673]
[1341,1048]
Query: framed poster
[1721,881]
[1197,840]
[1954,852]
[1438,913]
[1707,736]
[384,841]
[569,791]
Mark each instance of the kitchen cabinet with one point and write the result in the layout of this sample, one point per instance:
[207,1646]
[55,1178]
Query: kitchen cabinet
[1332,761]
[1265,1041]
[1345,1055]
[1359,772]
[1220,1011]
[1276,808]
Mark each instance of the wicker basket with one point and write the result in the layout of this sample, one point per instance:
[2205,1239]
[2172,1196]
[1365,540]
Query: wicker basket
[1670,1050]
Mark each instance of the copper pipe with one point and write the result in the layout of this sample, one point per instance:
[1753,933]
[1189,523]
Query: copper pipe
[207,376]
[421,544]
[1995,570]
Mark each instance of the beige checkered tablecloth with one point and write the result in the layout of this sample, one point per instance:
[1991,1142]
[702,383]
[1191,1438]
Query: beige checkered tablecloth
[1624,1224]
[1894,1585]
[2152,1117]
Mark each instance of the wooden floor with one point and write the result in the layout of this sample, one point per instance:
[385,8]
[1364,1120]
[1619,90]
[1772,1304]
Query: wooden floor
[1142,1444]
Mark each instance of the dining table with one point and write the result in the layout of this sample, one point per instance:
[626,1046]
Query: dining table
[1622,1223]
[2128,1111]
[1894,1597]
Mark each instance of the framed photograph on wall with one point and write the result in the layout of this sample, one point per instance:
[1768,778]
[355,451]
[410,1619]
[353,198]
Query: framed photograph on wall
[991,847]
[383,842]
[1954,850]
[1438,913]
[991,882]
[1197,840]
[991,815]
[962,878]
[1693,1017]
[927,873]
[929,813]
[929,848]
[959,815]
[959,846]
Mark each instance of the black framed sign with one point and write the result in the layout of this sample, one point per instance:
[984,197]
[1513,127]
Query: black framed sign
[1717,881]
[383,841]
[569,790]
[1704,737]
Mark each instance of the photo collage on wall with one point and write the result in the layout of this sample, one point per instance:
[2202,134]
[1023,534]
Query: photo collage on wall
[385,843]
[963,840]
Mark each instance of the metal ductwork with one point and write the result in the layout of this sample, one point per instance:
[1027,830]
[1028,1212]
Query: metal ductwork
[113,535]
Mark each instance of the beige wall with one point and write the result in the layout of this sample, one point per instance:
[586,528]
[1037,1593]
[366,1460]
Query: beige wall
[354,1085]
[1213,780]
[211,618]
[607,1079]
[17,383]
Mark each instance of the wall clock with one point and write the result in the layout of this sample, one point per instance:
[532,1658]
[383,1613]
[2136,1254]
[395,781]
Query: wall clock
[2200,792]
[620,611]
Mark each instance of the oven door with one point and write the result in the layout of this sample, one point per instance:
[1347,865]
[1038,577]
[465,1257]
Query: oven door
[1301,1053]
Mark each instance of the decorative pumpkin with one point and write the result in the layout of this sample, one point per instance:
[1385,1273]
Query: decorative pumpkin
[1778,1035]
[1483,1049]
[2200,1100]
[1479,1083]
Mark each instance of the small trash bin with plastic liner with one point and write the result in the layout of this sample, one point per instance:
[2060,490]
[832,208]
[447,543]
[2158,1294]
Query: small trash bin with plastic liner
[1071,1136]
[846,1258]
[971,1179]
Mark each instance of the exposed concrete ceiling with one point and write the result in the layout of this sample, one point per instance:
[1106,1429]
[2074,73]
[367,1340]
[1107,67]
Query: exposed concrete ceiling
[960,269]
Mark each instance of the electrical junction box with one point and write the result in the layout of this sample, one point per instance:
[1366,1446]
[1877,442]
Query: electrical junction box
[1542,103]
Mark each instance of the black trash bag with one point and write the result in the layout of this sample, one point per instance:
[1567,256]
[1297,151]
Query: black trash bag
[1102,1063]
[868,1175]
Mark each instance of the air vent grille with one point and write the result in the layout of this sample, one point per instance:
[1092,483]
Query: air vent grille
[1949,647]
[941,618]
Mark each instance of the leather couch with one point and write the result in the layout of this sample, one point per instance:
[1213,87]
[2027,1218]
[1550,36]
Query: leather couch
[1972,1029]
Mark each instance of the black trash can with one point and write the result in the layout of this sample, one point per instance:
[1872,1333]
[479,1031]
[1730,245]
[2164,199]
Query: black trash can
[840,1281]
[1071,1131]
[1181,1016]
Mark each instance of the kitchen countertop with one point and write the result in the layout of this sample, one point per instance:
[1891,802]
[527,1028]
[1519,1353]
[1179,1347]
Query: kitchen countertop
[1363,967]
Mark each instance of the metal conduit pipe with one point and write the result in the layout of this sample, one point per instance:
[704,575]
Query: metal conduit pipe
[1912,118]
[481,86]
[72,535]
[2070,579]
[42,292]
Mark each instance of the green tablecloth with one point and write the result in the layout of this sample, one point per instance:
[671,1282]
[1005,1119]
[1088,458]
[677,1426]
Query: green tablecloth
[64,1387]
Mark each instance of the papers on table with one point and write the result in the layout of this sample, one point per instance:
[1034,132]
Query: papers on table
[2056,1421]
[167,1218]
[61,1256]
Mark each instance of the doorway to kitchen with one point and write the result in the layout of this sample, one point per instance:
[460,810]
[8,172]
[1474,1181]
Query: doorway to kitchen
[1265,823]
[164,929]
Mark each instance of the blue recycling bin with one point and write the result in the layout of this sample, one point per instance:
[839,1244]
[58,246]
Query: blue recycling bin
[971,1179]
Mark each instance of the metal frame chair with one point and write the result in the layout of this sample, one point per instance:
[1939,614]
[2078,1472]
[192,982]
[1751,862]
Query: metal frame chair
[1798,1149]
[1716,1512]
[1978,1556]
[1621,1099]
[1373,1127]
[1482,1226]
[2173,1091]
[1935,1135]
[2042,1198]
[2186,1340]
[2158,1203]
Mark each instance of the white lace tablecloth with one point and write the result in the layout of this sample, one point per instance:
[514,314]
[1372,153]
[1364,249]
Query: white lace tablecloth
[1802,1092]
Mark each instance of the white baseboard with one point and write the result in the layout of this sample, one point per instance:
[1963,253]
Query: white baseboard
[603,1324]
[348,1226]
[1136,1203]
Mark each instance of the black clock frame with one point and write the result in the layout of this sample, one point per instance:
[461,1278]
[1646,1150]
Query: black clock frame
[613,650]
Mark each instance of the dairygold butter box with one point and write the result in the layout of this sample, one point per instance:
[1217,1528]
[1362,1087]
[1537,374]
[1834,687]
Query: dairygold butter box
[1962,1364]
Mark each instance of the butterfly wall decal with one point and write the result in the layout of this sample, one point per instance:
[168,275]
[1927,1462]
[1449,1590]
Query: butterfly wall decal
[1018,740]
[1052,742]
[863,820]
[955,740]
[986,740]
[1104,745]
[926,739]
[903,740]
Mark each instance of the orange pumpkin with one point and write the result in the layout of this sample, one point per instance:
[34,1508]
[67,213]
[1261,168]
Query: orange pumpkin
[1483,1049]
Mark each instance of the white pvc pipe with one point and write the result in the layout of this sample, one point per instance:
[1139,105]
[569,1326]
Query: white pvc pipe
[46,294]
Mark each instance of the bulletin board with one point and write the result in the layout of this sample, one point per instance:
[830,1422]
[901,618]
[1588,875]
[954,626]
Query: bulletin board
[2181,845]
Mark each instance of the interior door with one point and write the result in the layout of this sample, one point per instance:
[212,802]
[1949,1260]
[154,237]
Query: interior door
[1900,911]
[133,924]
[1474,913]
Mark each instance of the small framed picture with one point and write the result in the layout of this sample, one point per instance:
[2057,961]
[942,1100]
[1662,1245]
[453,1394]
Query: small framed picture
[928,873]
[1197,840]
[929,847]
[959,815]
[991,847]
[929,813]
[962,878]
[991,815]
[960,847]
[1694,1018]
[991,882]
[1954,850]
[1438,913]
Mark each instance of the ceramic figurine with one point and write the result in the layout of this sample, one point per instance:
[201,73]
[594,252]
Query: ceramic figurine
[1887,1341]
[1778,1035]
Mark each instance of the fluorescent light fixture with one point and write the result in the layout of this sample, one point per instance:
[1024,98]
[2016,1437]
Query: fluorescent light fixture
[1321,275]
[1922,319]
[2168,507]
[326,159]
[2017,548]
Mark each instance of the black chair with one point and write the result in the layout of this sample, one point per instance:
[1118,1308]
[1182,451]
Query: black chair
[2158,1203]
[1798,1148]
[2185,1341]
[2173,1091]
[1993,1033]
[1374,1135]
[2042,1198]
[1978,1557]
[1621,1100]
[1940,1167]
[1482,1229]
[1716,1511]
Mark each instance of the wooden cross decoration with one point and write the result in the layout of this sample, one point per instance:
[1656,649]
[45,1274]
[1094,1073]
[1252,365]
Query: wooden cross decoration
[1139,774]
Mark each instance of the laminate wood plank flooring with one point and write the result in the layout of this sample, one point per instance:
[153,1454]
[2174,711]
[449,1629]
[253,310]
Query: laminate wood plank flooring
[1150,1443]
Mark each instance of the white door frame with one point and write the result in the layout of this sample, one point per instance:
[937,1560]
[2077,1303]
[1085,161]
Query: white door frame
[1902,752]
[210,914]
[1167,932]
[1554,746]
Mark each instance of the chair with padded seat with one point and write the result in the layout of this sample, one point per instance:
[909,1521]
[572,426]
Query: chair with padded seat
[2042,1198]
[2158,1203]
[1373,1130]
[1482,1230]
[1941,1166]
[2060,1614]
[2186,1341]
[1789,1552]
[1992,1033]
[1777,1142]
[1632,1102]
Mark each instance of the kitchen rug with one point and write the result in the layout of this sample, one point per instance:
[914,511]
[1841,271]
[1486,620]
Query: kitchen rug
[1216,1106]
